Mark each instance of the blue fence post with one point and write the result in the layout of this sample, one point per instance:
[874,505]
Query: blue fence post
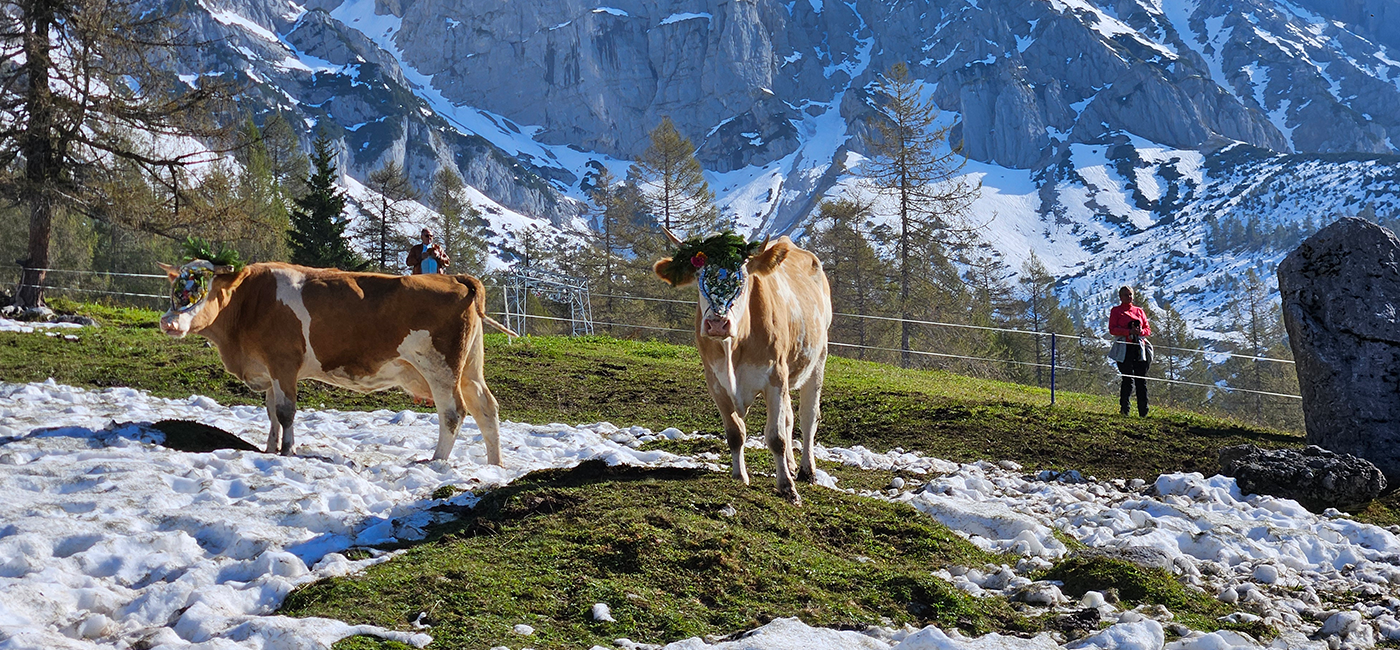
[1052,369]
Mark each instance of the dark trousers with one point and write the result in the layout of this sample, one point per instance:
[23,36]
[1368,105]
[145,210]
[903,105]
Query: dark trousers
[1133,365]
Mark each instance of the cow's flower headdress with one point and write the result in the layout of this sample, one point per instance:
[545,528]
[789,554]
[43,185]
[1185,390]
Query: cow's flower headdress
[716,263]
[202,263]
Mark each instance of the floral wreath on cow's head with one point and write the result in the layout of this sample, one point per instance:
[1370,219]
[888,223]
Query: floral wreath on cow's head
[202,262]
[717,265]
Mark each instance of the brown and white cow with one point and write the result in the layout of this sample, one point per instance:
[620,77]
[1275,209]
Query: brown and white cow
[275,324]
[761,327]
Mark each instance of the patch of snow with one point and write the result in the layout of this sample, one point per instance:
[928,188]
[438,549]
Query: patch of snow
[101,522]
[227,17]
[610,10]
[23,327]
[675,18]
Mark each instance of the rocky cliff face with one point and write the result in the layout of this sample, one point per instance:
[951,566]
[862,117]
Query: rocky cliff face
[1094,124]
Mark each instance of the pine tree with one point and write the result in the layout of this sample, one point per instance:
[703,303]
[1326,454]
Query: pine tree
[457,224]
[1041,307]
[263,200]
[859,278]
[1177,359]
[1259,321]
[379,230]
[673,182]
[317,236]
[912,162]
[602,262]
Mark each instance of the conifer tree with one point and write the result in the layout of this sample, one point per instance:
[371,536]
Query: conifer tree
[379,231]
[317,236]
[77,79]
[608,242]
[1259,321]
[911,161]
[1042,312]
[673,183]
[1177,359]
[457,224]
[858,276]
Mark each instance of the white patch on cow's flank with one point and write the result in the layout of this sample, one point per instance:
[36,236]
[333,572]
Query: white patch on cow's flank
[290,283]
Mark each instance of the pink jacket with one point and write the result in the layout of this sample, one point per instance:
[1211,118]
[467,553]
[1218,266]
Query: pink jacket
[1120,317]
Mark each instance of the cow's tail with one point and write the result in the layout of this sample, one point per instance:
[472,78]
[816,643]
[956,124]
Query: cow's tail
[479,305]
[494,323]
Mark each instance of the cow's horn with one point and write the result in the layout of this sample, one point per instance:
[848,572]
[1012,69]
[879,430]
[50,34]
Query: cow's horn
[671,236]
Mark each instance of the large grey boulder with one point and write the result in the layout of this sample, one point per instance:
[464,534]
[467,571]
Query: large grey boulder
[1341,305]
[1314,477]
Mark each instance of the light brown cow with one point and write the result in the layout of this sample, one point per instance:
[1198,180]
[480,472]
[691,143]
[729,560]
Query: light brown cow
[761,327]
[275,324]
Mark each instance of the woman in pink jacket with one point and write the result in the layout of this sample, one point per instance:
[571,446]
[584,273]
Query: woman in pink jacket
[1129,323]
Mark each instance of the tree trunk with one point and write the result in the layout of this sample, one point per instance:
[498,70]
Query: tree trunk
[41,169]
[904,314]
[31,293]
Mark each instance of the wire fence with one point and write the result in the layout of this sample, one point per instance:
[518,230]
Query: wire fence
[144,289]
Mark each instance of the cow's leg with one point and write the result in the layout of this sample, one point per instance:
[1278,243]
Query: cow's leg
[732,410]
[451,409]
[786,426]
[274,434]
[777,435]
[286,409]
[482,405]
[811,411]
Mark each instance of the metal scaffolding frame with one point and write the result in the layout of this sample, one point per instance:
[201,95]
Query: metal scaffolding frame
[520,283]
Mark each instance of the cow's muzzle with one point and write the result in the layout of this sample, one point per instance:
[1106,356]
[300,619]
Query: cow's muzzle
[719,328]
[171,325]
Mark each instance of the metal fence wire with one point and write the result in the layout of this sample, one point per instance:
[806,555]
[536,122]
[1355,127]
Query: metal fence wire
[105,283]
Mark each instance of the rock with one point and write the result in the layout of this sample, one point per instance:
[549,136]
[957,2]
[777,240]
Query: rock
[1041,593]
[76,319]
[1314,477]
[36,315]
[1341,305]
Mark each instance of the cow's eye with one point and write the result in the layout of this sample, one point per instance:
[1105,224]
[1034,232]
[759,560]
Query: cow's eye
[189,288]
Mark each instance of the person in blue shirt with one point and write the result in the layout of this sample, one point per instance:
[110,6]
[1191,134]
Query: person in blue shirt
[427,257]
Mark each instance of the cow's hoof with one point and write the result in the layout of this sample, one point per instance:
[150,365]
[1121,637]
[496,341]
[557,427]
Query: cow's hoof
[807,477]
[791,495]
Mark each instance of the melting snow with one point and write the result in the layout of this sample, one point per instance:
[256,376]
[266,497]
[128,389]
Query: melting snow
[109,540]
[675,18]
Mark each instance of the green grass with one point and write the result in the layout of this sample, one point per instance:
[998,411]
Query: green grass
[657,385]
[658,547]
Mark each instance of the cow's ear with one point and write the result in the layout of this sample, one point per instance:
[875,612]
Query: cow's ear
[171,271]
[676,275]
[768,260]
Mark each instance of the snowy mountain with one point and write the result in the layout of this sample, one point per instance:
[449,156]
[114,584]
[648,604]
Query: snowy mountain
[1111,137]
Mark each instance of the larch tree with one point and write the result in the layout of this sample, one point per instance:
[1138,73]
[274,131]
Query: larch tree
[608,238]
[673,183]
[457,224]
[81,88]
[1178,359]
[912,162]
[317,235]
[1042,312]
[379,230]
[858,276]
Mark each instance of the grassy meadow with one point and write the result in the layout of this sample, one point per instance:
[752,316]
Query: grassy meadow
[680,553]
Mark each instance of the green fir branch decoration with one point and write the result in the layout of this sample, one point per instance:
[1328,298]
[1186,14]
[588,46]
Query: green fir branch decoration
[725,250]
[202,249]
